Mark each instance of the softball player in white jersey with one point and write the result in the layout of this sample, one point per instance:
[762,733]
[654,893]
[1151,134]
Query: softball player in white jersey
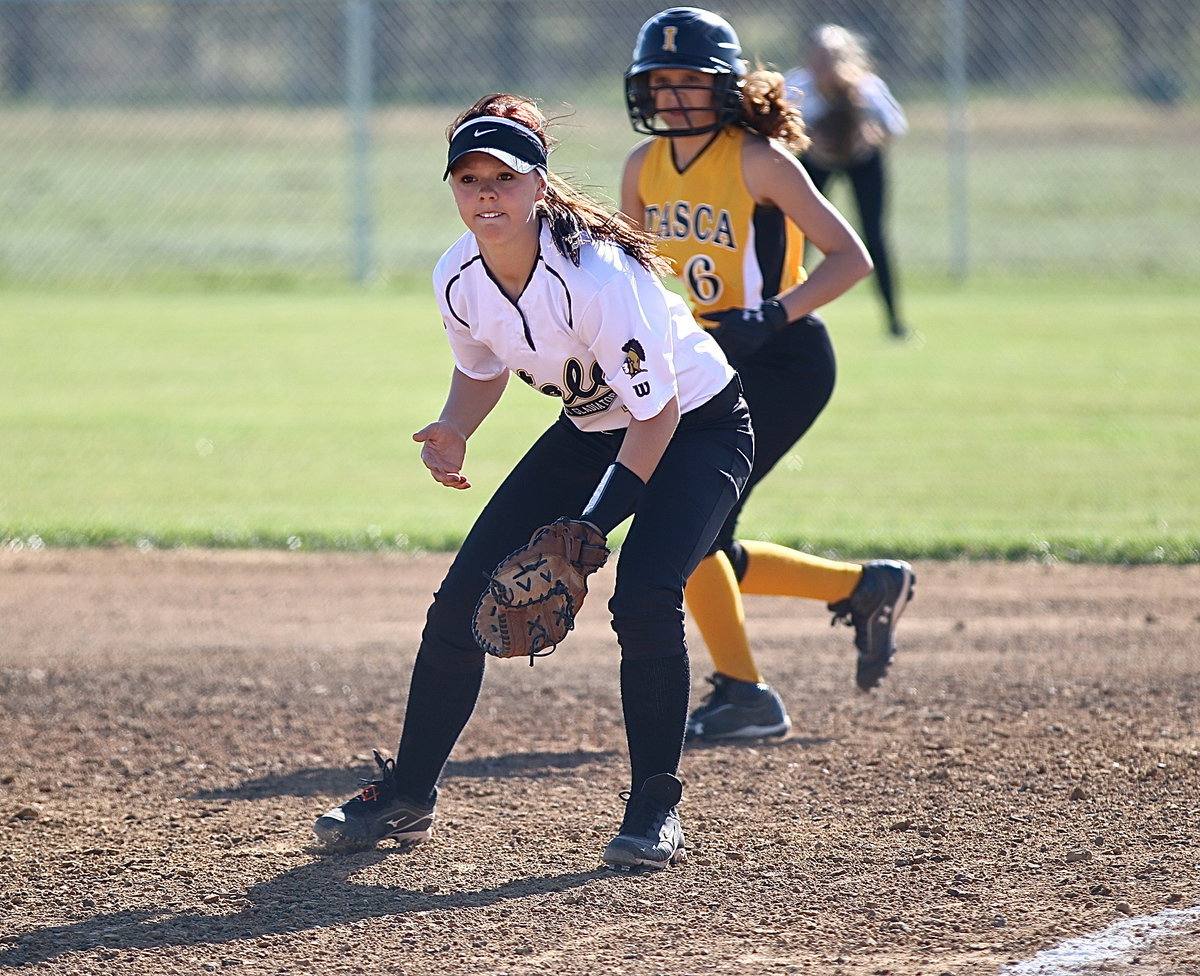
[550,287]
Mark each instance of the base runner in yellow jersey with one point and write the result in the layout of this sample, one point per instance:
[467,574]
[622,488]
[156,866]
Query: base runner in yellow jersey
[717,182]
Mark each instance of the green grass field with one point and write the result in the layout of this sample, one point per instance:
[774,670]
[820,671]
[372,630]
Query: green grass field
[1046,420]
[260,196]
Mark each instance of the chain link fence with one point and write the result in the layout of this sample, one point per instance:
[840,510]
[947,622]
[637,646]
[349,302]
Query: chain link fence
[283,141]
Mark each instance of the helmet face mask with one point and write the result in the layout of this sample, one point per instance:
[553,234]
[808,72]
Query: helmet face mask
[688,39]
[724,107]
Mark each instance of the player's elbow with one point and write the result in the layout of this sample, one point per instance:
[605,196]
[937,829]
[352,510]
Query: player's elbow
[864,262]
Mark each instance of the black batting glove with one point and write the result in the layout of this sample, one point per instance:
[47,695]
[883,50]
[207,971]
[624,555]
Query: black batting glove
[742,331]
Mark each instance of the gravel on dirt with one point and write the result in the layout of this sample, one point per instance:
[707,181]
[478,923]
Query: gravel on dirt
[173,722]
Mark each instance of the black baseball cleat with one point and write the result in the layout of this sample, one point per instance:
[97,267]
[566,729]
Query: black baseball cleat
[738,710]
[874,609]
[651,835]
[377,813]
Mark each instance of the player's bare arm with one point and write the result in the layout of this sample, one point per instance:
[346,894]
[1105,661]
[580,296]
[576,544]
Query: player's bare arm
[445,440]
[646,440]
[775,178]
[632,205]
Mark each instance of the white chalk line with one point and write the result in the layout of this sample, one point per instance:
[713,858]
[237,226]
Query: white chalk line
[1122,939]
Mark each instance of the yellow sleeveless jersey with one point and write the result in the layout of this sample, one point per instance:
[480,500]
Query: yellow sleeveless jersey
[728,250]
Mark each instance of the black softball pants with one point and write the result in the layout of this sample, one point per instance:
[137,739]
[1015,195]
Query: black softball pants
[696,483]
[786,383]
[868,180]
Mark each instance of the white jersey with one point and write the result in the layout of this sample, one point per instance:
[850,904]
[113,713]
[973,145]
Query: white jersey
[878,101]
[606,336]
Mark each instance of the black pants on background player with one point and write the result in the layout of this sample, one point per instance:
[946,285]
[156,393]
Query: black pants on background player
[868,180]
[787,383]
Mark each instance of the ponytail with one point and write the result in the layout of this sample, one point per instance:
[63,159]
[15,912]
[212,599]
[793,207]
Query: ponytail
[767,111]
[573,216]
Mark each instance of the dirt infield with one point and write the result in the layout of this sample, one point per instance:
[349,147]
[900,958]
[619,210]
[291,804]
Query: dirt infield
[173,722]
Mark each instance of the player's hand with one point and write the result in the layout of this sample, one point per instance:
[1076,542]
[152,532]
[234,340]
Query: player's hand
[740,332]
[443,453]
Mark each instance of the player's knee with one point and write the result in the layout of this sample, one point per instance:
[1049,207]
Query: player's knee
[648,621]
[447,642]
[738,558]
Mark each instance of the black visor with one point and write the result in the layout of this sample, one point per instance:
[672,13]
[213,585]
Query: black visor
[508,141]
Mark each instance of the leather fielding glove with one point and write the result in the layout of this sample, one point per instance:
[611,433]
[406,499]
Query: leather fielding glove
[533,595]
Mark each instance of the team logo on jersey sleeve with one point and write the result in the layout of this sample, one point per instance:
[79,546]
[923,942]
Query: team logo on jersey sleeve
[634,355]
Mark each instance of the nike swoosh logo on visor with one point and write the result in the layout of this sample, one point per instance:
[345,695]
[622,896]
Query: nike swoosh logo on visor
[479,133]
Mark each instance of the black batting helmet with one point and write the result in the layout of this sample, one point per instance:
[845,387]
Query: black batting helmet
[692,39]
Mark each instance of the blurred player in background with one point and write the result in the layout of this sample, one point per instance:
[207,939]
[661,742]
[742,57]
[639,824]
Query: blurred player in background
[851,118]
[550,287]
[719,185]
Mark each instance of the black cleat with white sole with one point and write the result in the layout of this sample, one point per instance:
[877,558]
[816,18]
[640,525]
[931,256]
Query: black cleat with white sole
[738,710]
[874,609]
[651,834]
[377,813]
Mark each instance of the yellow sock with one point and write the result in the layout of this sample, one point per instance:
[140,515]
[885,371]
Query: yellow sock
[715,603]
[773,570]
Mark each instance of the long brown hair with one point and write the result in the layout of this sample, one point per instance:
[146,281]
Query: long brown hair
[571,214]
[767,111]
[846,63]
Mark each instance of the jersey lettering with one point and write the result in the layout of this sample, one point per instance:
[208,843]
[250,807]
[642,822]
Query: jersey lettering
[548,388]
[599,405]
[583,391]
[703,221]
[579,385]
[678,221]
[705,285]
